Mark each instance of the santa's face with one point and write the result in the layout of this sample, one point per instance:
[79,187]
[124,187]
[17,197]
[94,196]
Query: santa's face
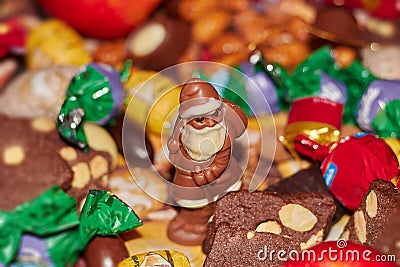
[204,136]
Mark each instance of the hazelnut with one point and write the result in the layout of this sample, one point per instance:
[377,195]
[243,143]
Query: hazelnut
[344,55]
[288,55]
[193,10]
[227,44]
[235,5]
[208,28]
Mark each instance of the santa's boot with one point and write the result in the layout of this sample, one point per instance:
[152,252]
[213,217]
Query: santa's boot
[189,226]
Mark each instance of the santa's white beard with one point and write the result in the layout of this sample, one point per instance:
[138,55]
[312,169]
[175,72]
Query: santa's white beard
[202,144]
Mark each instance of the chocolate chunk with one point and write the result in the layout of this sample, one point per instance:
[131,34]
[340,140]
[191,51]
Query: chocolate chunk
[375,222]
[105,251]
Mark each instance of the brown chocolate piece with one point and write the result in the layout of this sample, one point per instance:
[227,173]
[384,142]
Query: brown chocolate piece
[308,180]
[34,158]
[105,251]
[235,247]
[375,223]
[159,43]
[304,217]
[336,25]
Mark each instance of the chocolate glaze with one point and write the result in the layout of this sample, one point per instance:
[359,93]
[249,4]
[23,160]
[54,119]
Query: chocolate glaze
[189,226]
[105,251]
[172,48]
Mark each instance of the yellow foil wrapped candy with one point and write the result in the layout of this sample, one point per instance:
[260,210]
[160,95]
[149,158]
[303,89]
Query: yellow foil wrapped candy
[157,258]
[153,98]
[55,43]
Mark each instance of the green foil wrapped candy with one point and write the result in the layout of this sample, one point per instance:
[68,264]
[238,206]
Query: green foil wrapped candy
[50,226]
[96,94]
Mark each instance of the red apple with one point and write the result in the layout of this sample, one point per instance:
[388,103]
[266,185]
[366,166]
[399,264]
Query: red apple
[104,19]
[340,253]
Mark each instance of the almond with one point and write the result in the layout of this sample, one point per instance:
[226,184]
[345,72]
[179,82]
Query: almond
[297,217]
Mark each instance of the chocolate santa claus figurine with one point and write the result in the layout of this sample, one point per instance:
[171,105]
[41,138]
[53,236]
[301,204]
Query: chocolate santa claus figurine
[200,148]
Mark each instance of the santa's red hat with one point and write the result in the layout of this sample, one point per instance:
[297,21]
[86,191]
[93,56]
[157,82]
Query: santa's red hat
[198,98]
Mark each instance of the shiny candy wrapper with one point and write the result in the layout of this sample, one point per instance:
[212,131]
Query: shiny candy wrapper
[379,108]
[313,127]
[320,76]
[48,232]
[394,143]
[246,85]
[354,163]
[53,42]
[96,94]
[164,258]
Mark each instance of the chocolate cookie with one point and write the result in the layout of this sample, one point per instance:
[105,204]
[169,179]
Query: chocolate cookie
[235,247]
[375,223]
[34,158]
[307,180]
[304,217]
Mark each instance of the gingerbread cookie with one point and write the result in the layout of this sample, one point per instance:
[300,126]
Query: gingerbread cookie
[34,158]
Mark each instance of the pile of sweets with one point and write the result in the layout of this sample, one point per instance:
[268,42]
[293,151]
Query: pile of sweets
[74,75]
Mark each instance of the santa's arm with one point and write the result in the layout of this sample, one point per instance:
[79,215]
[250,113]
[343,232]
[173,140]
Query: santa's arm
[236,118]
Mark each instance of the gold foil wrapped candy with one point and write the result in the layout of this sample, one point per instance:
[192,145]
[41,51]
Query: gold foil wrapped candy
[162,258]
[55,43]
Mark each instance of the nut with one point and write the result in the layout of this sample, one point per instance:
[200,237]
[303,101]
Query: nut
[208,28]
[360,225]
[297,217]
[81,175]
[192,10]
[43,124]
[68,153]
[104,180]
[227,44]
[99,139]
[371,204]
[344,55]
[314,239]
[13,155]
[345,235]
[98,166]
[250,234]
[269,227]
